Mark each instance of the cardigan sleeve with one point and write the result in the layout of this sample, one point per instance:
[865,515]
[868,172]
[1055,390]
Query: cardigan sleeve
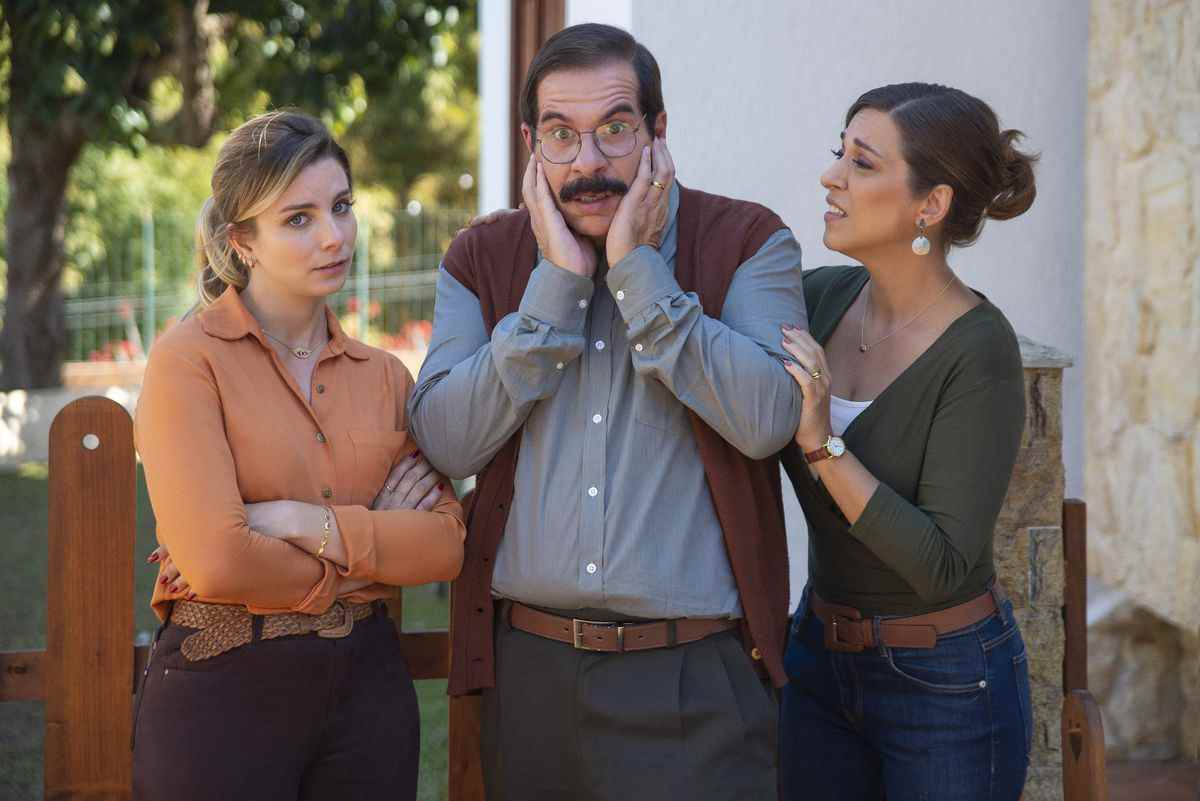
[934,542]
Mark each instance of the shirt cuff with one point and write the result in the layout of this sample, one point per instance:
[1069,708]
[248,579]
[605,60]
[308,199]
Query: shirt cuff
[640,280]
[358,538]
[319,598]
[558,297]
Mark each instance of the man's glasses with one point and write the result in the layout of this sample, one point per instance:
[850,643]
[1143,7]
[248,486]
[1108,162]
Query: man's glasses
[614,139]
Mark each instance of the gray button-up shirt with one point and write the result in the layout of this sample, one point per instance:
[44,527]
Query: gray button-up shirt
[611,509]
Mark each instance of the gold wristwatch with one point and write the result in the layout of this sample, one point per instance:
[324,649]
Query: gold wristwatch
[832,449]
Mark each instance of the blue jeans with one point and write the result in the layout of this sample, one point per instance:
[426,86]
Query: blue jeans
[938,724]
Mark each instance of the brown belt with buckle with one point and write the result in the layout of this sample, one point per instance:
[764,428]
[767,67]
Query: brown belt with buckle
[593,635]
[847,631]
[224,627]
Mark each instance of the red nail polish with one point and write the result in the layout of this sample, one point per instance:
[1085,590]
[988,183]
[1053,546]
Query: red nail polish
[441,487]
[162,579]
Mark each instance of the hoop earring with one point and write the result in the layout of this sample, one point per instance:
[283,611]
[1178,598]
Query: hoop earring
[920,245]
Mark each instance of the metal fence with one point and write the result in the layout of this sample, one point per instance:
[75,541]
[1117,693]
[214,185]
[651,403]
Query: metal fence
[144,282]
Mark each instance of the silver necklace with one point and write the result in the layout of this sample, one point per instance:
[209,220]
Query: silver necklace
[299,353]
[863,347]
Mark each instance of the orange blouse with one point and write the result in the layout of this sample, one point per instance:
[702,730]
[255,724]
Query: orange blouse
[221,423]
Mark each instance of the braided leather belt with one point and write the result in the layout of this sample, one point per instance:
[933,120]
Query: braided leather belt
[224,627]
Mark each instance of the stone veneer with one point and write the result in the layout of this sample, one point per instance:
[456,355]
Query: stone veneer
[1142,293]
[1029,558]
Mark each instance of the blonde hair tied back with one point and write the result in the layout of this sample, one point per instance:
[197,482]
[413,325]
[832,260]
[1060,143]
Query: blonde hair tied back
[257,163]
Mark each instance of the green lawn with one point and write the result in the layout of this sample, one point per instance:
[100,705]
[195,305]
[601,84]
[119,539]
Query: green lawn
[23,498]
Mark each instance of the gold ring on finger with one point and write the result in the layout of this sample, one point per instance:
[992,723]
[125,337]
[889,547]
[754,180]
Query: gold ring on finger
[816,373]
[657,184]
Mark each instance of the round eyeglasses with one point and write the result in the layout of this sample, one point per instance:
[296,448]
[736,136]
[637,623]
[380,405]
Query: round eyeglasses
[614,139]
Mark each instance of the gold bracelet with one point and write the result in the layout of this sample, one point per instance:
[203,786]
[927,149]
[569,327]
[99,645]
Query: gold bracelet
[328,530]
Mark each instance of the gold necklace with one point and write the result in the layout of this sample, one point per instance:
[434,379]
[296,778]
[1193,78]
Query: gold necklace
[299,353]
[863,347]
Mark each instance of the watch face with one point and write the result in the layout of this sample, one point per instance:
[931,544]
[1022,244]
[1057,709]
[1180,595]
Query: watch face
[836,447]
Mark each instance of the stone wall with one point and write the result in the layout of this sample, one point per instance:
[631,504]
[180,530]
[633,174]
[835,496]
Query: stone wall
[1142,301]
[1029,558]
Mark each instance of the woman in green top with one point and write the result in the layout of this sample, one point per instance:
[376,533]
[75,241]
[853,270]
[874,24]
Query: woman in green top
[908,674]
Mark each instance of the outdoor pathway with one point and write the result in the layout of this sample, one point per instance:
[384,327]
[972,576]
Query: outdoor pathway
[1154,781]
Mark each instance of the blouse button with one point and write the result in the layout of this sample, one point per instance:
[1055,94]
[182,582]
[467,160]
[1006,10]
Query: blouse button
[320,438]
[327,493]
[755,654]
[320,389]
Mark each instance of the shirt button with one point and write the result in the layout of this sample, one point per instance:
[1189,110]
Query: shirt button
[558,366]
[755,654]
[320,438]
[638,347]
[591,567]
[620,294]
[599,344]
[320,389]
[583,304]
[597,419]
[327,493]
[592,491]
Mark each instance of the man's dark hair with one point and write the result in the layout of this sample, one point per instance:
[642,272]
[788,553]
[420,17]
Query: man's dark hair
[591,45]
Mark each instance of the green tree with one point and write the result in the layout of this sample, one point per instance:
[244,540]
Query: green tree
[128,74]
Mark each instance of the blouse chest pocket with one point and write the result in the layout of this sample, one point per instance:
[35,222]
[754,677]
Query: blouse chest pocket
[376,452]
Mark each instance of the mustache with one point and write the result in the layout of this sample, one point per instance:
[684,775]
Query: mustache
[592,185]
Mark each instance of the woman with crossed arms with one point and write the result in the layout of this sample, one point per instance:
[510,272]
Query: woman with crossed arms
[290,503]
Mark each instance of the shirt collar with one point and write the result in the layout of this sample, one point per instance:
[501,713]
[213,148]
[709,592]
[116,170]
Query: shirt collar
[229,319]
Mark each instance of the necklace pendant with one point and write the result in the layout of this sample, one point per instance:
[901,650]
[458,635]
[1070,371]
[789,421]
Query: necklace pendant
[301,353]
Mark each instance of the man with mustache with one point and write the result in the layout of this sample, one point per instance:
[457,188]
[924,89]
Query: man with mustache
[607,360]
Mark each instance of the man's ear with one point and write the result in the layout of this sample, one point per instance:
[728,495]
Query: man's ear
[937,204]
[660,125]
[527,135]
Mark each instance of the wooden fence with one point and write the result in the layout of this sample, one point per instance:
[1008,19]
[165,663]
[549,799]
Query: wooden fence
[89,670]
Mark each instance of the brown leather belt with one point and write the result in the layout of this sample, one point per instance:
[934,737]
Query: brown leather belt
[223,627]
[592,635]
[847,631]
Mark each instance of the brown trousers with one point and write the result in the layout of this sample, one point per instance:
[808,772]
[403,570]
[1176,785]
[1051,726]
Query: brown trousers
[289,719]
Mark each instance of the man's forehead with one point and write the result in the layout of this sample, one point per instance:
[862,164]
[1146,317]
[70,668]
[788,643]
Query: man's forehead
[589,91]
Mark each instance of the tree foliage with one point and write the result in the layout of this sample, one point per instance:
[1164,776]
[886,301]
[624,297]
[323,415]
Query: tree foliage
[394,79]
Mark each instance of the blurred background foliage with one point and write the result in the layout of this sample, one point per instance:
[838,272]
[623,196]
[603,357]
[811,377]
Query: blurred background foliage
[154,88]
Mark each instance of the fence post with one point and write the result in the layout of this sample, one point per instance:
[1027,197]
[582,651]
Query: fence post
[362,287]
[150,322]
[89,590]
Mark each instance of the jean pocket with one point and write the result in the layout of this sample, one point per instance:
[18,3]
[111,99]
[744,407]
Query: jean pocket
[955,666]
[1020,665]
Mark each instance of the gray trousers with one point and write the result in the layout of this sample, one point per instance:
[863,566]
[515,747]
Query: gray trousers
[694,723]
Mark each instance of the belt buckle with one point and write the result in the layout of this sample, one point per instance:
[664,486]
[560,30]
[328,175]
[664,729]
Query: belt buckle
[833,639]
[577,634]
[342,629]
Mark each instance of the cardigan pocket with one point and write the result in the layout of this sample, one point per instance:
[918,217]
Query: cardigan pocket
[376,452]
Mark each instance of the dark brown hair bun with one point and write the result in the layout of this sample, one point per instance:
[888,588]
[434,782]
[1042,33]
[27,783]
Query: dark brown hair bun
[953,138]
